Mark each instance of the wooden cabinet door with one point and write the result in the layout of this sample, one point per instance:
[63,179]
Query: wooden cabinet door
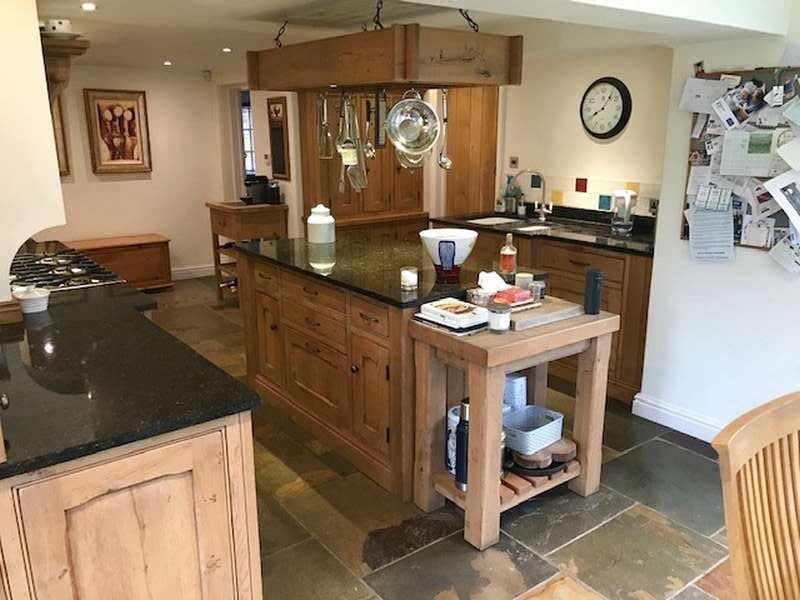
[377,196]
[407,185]
[154,525]
[346,203]
[370,377]
[318,378]
[270,338]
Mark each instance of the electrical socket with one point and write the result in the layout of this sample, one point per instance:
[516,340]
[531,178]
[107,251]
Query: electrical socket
[513,162]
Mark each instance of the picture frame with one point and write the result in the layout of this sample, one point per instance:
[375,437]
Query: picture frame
[60,135]
[277,121]
[119,135]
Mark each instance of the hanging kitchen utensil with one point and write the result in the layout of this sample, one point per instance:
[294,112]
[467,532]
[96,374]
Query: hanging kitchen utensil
[350,147]
[445,162]
[343,166]
[410,161]
[380,119]
[412,124]
[324,137]
[369,147]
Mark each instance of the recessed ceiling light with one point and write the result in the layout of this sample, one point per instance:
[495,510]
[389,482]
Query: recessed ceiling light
[89,6]
[167,63]
[226,49]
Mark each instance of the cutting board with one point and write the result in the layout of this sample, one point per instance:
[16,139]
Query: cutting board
[552,309]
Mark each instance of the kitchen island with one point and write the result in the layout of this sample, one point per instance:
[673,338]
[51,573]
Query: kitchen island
[129,468]
[569,242]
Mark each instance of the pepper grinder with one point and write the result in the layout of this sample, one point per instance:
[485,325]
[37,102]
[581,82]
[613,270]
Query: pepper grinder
[462,446]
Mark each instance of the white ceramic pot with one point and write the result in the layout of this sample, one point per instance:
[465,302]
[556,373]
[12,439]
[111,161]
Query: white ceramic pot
[321,226]
[32,300]
[463,239]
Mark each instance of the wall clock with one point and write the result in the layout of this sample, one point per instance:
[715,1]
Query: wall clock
[606,108]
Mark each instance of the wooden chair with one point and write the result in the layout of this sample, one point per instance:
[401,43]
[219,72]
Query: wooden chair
[759,462]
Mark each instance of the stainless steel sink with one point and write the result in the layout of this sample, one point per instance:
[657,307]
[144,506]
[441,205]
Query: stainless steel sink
[541,227]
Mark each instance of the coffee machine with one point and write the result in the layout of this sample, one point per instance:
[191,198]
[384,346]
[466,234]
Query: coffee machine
[260,190]
[623,203]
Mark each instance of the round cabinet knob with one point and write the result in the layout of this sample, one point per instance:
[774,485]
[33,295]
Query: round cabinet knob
[273,327]
[4,401]
[354,369]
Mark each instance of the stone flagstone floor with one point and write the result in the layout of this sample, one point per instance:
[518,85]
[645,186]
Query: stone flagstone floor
[655,529]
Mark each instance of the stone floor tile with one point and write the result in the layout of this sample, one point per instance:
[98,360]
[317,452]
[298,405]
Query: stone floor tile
[186,292]
[693,593]
[286,468]
[561,588]
[555,518]
[721,537]
[451,569]
[307,571]
[194,323]
[718,582]
[691,443]
[621,431]
[674,481]
[365,526]
[638,554]
[277,528]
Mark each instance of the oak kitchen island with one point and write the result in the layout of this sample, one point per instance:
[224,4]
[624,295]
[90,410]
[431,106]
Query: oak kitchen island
[129,470]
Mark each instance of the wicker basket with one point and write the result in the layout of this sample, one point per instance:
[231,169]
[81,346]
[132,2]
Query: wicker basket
[532,428]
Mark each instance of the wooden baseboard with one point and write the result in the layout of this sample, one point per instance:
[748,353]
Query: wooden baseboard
[10,313]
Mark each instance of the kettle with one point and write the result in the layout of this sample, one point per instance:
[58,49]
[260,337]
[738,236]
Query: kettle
[624,202]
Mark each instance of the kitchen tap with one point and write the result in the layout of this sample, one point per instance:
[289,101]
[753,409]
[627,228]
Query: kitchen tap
[543,208]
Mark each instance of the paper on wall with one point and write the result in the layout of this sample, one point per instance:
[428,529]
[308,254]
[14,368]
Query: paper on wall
[710,235]
[713,145]
[699,94]
[761,201]
[725,114]
[791,111]
[790,153]
[786,191]
[698,175]
[699,125]
[757,232]
[713,198]
[775,96]
[731,81]
[749,153]
[786,255]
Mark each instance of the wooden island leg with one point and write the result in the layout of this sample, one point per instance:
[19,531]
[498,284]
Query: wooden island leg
[590,406]
[217,266]
[536,386]
[482,510]
[430,425]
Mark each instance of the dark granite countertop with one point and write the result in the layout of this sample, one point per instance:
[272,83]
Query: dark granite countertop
[570,225]
[369,267]
[92,373]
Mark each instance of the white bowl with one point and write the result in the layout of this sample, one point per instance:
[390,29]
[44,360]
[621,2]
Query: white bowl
[32,301]
[464,240]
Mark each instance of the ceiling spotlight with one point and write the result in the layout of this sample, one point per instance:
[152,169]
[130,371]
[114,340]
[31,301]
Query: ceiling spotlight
[89,6]
[167,63]
[226,50]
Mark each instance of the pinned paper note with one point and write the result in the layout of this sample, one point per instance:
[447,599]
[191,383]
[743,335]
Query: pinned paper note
[786,255]
[713,198]
[698,175]
[757,232]
[699,94]
[710,235]
[699,125]
[775,96]
[790,153]
[731,81]
[786,191]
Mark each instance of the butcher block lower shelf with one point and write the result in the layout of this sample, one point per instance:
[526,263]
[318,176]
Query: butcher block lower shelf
[514,489]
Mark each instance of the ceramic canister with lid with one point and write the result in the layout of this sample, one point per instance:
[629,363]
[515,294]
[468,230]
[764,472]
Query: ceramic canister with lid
[321,225]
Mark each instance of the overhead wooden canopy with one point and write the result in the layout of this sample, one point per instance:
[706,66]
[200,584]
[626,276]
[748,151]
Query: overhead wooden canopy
[397,56]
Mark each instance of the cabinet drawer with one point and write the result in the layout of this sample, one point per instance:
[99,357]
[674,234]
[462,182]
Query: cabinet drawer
[307,291]
[368,316]
[266,279]
[316,323]
[573,259]
[142,266]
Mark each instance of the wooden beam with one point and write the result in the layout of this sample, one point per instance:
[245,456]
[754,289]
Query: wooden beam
[253,81]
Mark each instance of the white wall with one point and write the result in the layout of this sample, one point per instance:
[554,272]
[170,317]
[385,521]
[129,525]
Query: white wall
[543,126]
[30,195]
[722,338]
[185,145]
[292,190]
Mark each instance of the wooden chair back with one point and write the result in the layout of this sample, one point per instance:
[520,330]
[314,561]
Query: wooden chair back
[759,462]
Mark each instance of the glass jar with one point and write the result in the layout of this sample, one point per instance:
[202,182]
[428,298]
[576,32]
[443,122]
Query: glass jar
[499,317]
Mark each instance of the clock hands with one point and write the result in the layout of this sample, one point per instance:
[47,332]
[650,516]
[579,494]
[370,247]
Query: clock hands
[594,114]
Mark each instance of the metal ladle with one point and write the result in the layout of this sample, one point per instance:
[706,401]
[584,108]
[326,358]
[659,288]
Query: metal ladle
[369,147]
[444,161]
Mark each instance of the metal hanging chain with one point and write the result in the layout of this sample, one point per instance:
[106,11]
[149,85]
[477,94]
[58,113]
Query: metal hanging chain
[376,20]
[473,24]
[281,31]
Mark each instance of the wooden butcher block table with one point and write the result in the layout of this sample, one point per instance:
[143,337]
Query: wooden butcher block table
[486,358]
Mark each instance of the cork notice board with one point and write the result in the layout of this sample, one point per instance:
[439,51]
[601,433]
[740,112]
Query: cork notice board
[758,220]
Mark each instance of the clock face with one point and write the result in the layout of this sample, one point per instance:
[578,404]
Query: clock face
[606,108]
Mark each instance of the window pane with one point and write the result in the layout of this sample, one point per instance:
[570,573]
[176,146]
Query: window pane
[248,143]
[249,163]
[246,118]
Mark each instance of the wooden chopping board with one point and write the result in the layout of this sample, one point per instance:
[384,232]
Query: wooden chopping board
[552,309]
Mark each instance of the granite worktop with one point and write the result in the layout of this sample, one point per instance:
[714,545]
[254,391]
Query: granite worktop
[93,373]
[369,267]
[586,227]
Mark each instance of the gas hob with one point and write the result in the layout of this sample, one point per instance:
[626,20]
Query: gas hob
[63,270]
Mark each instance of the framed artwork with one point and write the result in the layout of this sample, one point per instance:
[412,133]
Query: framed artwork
[279,137]
[57,113]
[119,137]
